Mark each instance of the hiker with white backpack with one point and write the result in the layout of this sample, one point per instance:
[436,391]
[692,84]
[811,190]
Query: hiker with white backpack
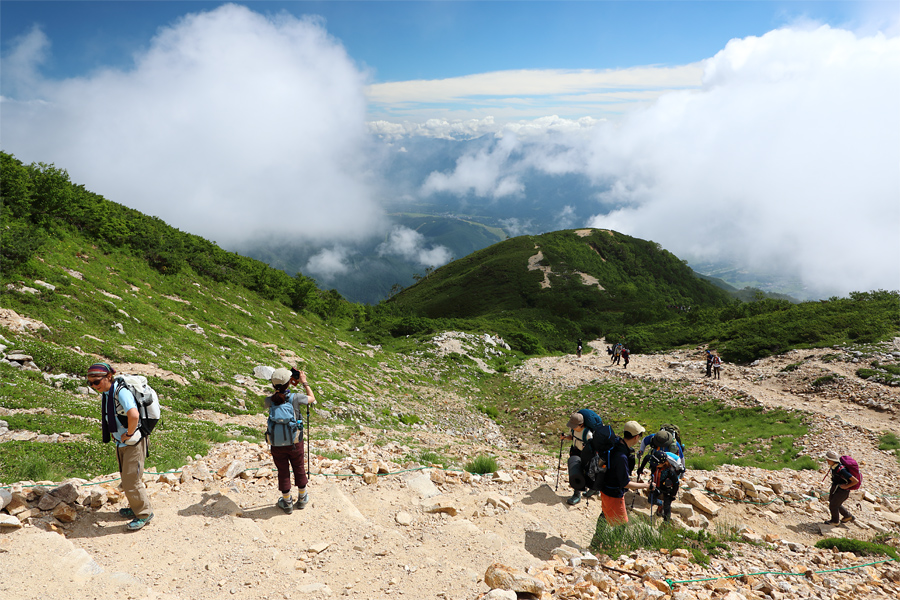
[284,434]
[122,421]
[845,477]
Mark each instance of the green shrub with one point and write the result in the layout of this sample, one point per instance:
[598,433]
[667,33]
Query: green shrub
[791,367]
[825,380]
[860,547]
[888,441]
[410,419]
[482,464]
[490,411]
[525,343]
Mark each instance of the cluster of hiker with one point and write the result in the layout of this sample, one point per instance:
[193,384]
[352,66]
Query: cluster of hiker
[618,353]
[130,410]
[713,364]
[601,462]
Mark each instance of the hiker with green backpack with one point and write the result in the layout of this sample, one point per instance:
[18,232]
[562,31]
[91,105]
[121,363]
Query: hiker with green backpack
[121,421]
[845,477]
[284,434]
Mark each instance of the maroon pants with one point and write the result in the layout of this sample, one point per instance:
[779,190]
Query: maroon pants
[286,458]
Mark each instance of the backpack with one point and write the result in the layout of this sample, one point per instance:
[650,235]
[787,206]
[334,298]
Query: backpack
[603,437]
[282,427]
[598,448]
[673,429]
[665,467]
[853,467]
[144,396]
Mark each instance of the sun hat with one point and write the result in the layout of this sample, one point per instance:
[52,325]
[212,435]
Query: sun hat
[633,428]
[576,420]
[832,456]
[663,438]
[281,376]
[100,369]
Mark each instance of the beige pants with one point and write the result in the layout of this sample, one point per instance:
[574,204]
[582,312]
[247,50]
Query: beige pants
[131,467]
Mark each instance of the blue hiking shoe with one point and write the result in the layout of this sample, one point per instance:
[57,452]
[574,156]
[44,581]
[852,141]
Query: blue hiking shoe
[126,512]
[138,523]
[286,504]
[302,501]
[575,499]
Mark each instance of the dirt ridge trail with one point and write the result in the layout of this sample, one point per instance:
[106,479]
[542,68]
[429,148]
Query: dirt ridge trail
[765,382]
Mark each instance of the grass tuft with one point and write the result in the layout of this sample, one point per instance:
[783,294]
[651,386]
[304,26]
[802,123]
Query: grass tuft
[482,464]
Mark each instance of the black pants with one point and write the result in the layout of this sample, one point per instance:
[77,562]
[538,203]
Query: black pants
[835,503]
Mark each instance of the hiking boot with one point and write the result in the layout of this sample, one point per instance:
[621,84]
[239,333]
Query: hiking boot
[138,523]
[302,501]
[848,519]
[590,493]
[575,499]
[286,504]
[126,512]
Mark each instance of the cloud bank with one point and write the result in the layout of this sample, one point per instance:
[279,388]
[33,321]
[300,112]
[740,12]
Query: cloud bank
[230,125]
[787,157]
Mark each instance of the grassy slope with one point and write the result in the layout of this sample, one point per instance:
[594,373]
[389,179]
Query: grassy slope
[497,280]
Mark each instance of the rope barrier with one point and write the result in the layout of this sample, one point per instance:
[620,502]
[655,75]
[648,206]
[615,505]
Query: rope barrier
[672,582]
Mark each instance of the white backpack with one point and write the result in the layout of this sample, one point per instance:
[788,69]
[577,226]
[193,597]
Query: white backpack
[146,398]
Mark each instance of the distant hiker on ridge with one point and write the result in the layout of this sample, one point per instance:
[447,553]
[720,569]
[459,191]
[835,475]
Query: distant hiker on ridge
[716,364]
[284,434]
[709,362]
[578,349]
[625,354]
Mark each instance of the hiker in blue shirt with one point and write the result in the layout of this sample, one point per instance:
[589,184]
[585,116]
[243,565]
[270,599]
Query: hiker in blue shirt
[290,455]
[119,420]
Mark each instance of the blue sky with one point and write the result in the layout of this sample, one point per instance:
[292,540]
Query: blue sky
[756,132]
[400,41]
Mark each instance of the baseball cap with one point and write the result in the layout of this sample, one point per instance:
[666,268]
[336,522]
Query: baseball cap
[633,428]
[576,420]
[281,376]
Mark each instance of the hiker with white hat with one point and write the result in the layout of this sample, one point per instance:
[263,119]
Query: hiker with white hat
[284,434]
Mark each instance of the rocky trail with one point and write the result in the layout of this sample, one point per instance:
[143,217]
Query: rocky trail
[380,526]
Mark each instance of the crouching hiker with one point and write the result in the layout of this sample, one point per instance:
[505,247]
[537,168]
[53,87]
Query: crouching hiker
[580,437]
[120,420]
[284,434]
[617,480]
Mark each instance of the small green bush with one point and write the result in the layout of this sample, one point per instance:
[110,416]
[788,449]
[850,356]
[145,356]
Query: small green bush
[490,411]
[860,547]
[825,380]
[482,464]
[410,419]
[791,367]
[888,441]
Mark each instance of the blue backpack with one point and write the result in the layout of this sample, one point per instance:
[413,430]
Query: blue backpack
[283,428]
[602,436]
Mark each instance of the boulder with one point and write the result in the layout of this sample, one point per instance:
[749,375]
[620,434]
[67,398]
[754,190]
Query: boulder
[702,502]
[499,576]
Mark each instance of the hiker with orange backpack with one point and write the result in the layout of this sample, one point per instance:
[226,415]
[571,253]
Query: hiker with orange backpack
[845,477]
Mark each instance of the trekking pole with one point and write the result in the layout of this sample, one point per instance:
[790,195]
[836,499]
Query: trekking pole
[307,440]
[559,462]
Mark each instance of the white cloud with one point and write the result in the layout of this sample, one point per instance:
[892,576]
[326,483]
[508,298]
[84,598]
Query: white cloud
[788,157]
[230,124]
[526,94]
[329,263]
[410,245]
